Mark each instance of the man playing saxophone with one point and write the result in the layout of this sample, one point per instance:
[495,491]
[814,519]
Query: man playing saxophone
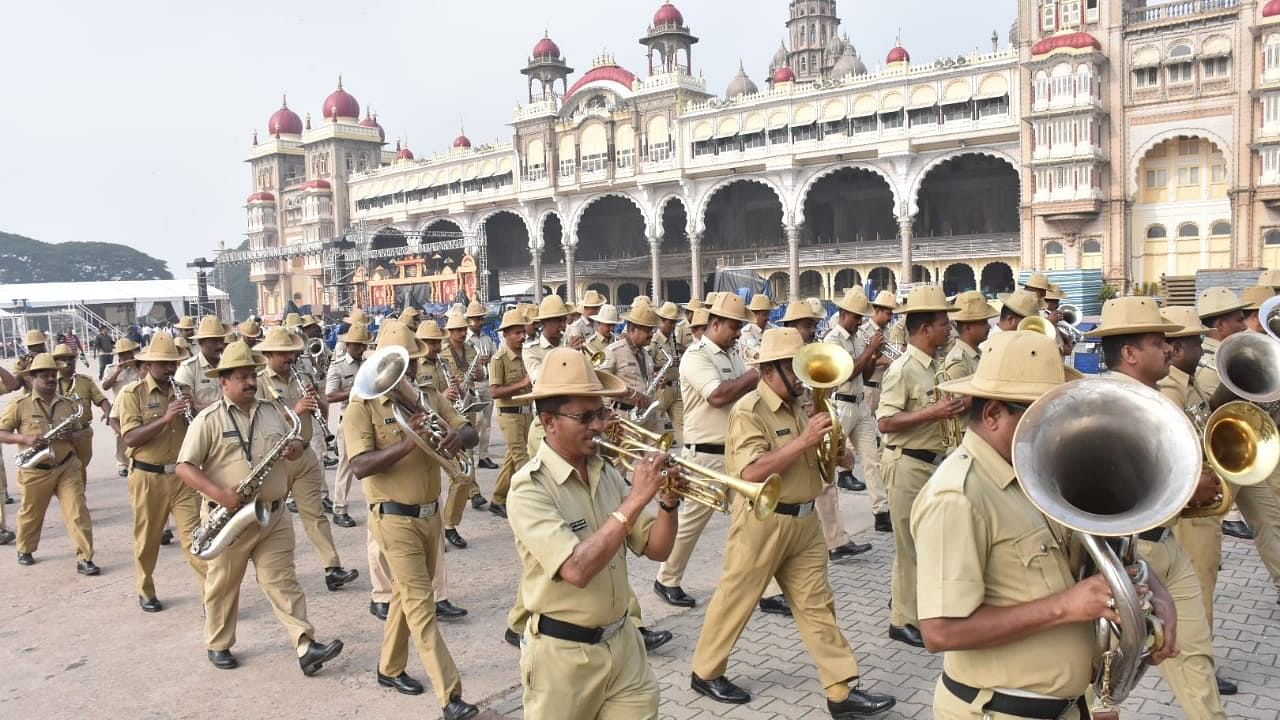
[224,442]
[461,370]
[485,349]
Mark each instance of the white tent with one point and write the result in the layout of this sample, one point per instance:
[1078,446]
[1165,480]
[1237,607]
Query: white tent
[143,293]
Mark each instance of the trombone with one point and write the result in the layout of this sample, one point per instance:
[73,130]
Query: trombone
[627,443]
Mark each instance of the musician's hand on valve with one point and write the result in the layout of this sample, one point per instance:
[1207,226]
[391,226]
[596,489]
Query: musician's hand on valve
[948,408]
[816,430]
[1089,600]
[293,450]
[451,442]
[32,441]
[451,393]
[648,478]
[576,342]
[1165,611]
[876,343]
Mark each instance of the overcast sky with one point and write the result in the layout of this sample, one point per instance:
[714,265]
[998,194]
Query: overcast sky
[129,121]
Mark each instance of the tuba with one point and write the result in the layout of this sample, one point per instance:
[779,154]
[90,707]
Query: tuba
[1269,316]
[1110,460]
[823,367]
[1248,364]
[1039,324]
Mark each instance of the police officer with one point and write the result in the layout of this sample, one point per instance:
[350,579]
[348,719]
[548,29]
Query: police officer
[486,348]
[458,357]
[82,387]
[203,389]
[116,377]
[186,328]
[665,345]
[582,328]
[770,433]
[972,327]
[337,387]
[628,359]
[882,309]
[913,444]
[8,383]
[605,321]
[249,332]
[760,308]
[508,378]
[571,514]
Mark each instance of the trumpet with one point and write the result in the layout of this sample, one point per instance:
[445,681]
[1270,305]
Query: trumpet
[626,443]
[823,367]
[597,357]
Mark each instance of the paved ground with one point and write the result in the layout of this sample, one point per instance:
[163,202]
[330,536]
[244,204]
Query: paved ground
[76,647]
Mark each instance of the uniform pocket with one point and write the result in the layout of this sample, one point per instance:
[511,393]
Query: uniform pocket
[1041,558]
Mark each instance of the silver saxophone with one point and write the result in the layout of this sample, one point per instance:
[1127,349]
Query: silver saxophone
[223,527]
[640,417]
[181,394]
[43,451]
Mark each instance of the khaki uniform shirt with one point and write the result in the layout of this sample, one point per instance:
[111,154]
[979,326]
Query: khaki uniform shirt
[130,374]
[288,392]
[750,340]
[140,404]
[596,343]
[430,373]
[1181,389]
[837,335]
[191,373]
[979,541]
[485,347]
[83,387]
[552,509]
[341,376]
[580,328]
[535,355]
[865,331]
[457,364]
[762,422]
[507,368]
[660,344]
[29,415]
[907,386]
[962,361]
[704,366]
[684,335]
[632,364]
[214,444]
[1207,379]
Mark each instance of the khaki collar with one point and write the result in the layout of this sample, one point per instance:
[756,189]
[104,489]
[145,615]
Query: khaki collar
[918,355]
[1182,379]
[560,470]
[838,330]
[230,406]
[967,349]
[545,344]
[1210,345]
[771,399]
[152,385]
[1117,375]
[988,460]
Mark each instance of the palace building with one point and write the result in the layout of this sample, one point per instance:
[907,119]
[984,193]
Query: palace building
[1138,139]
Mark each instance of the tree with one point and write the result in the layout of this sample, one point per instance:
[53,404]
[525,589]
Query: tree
[24,260]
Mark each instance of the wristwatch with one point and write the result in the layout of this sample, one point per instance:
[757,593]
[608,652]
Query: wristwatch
[669,508]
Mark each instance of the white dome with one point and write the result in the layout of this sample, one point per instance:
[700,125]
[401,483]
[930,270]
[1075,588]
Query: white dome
[848,64]
[740,85]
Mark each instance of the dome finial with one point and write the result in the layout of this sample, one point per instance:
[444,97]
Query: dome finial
[284,100]
[339,81]
[255,137]
[308,121]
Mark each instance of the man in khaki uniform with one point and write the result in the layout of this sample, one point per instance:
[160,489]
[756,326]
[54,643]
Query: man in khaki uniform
[753,332]
[216,456]
[193,373]
[508,378]
[664,346]
[116,377]
[582,328]
[629,360]
[605,321]
[458,356]
[1015,627]
[8,383]
[337,388]
[770,433]
[306,476]
[909,419]
[152,427]
[882,309]
[82,387]
[486,348]
[1037,284]
[1136,351]
[249,332]
[402,486]
[551,314]
[23,423]
[186,328]
[973,326]
[571,514]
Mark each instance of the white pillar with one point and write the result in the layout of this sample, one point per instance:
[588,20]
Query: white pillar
[695,265]
[793,261]
[571,278]
[655,268]
[904,234]
[537,273]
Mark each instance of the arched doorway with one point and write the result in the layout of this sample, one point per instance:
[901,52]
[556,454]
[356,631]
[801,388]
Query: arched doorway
[552,241]
[1181,195]
[388,238]
[997,277]
[849,205]
[968,194]
[920,274]
[742,215]
[811,285]
[627,293]
[507,246]
[881,278]
[611,228]
[845,279]
[777,286]
[958,278]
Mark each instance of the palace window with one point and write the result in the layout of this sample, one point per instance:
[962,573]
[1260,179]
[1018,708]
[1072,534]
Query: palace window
[1221,227]
[595,162]
[1053,248]
[1188,230]
[1189,176]
[890,121]
[1271,162]
[1091,247]
[567,168]
[1271,55]
[704,148]
[1091,10]
[1070,13]
[1271,109]
[626,158]
[1215,68]
[1049,16]
[1146,77]
[1218,173]
[1181,73]
[864,124]
[1189,146]
[993,106]
[1157,232]
[806,132]
[779,136]
[1271,238]
[954,112]
[753,140]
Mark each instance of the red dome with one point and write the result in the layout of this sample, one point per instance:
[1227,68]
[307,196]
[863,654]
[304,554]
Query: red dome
[1271,9]
[546,49]
[370,121]
[1072,41]
[667,15]
[261,196]
[783,74]
[611,73]
[284,121]
[898,54]
[340,104]
[404,154]
[316,185]
[462,141]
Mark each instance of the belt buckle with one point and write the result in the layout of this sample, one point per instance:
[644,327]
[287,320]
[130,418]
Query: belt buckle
[805,509]
[428,510]
[609,631]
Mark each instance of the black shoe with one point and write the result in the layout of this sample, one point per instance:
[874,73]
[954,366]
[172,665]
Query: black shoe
[654,639]
[335,578]
[883,523]
[223,659]
[6,536]
[860,704]
[848,482]
[326,505]
[317,655]
[402,683]
[451,534]
[719,689]
[151,605]
[478,501]
[122,472]
[26,559]
[487,464]
[674,595]
[342,519]
[166,537]
[293,506]
[446,610]
[1237,529]
[8,499]
[847,550]
[512,637]
[459,709]
[1226,687]
[908,634]
[330,461]
[379,610]
[499,510]
[86,567]
[776,605]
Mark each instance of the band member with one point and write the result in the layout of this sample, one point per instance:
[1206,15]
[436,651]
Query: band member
[769,432]
[337,388]
[684,331]
[530,313]
[152,426]
[1255,296]
[461,371]
[996,582]
[698,325]
[882,309]
[753,332]
[404,518]
[486,348]
[250,332]
[508,378]
[582,328]
[186,328]
[663,346]
[1037,284]
[85,390]
[8,383]
[910,418]
[972,327]
[306,476]
[571,514]
[800,316]
[628,359]
[1018,305]
[1271,279]
[410,317]
[184,348]
[193,374]
[116,377]
[551,314]
[605,321]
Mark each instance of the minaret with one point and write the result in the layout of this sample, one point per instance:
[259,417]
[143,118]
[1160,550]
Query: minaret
[811,36]
[669,37]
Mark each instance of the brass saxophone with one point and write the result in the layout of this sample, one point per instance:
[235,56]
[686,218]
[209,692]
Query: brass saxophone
[43,450]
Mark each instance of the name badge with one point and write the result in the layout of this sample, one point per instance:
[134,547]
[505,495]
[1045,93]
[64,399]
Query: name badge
[389,421]
[577,525]
[205,380]
[783,432]
[230,434]
[726,371]
[153,405]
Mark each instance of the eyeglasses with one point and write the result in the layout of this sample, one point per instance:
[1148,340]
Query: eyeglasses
[587,418]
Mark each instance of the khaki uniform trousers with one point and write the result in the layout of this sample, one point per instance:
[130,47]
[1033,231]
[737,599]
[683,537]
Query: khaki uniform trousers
[484,421]
[153,497]
[611,680]
[122,460]
[946,706]
[4,495]
[320,448]
[343,478]
[411,547]
[461,489]
[904,477]
[38,488]
[788,549]
[693,518]
[1260,505]
[380,572]
[1201,539]
[270,547]
[515,433]
[1191,674]
[860,426]
[306,481]
[84,451]
[672,406]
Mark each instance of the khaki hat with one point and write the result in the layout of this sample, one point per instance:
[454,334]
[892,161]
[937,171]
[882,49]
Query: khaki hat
[887,300]
[799,310]
[1055,292]
[292,320]
[249,329]
[530,312]
[701,318]
[357,334]
[124,345]
[1132,315]
[309,320]
[761,302]
[395,332]
[477,309]
[63,351]
[1186,318]
[186,322]
[927,298]
[668,311]
[210,328]
[43,361]
[608,315]
[710,299]
[409,316]
[1037,281]
[1270,278]
[1017,366]
[591,299]
[1217,301]
[973,307]
[34,337]
[237,355]
[551,307]
[184,347]
[358,315]
[512,318]
[1023,303]
[642,301]
[779,343]
[1257,295]
[855,301]
[729,305]
[280,339]
[430,330]
[693,305]
[456,321]
[568,373]
[643,316]
[161,349]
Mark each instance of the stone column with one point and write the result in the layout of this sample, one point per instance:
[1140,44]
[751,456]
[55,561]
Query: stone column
[695,265]
[537,273]
[793,261]
[571,278]
[904,234]
[655,267]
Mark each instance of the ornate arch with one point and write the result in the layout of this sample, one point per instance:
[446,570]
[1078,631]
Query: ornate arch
[917,180]
[1141,150]
[482,219]
[582,209]
[535,237]
[426,224]
[808,185]
[698,222]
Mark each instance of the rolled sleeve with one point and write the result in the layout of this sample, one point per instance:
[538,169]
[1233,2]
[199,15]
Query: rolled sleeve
[750,440]
[10,420]
[893,393]
[950,548]
[700,373]
[497,368]
[130,409]
[538,525]
[333,378]
[357,429]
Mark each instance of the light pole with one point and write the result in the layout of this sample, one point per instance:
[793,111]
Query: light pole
[202,267]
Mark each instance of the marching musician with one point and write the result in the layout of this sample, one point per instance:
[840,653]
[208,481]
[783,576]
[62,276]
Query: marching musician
[152,427]
[769,432]
[203,389]
[1018,305]
[883,306]
[530,314]
[35,343]
[459,356]
[1255,296]
[1038,285]
[760,307]
[484,345]
[997,587]
[250,333]
[910,418]
[8,383]
[186,328]
[1135,349]
[604,321]
[23,423]
[666,340]
[551,314]
[410,317]
[85,390]
[306,476]
[223,443]
[582,328]
[972,328]
[628,359]
[698,322]
[800,317]
[1052,300]
[117,377]
[571,514]
[337,388]
[508,378]
[402,486]
[684,331]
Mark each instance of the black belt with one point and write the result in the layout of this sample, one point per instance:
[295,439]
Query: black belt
[871,383]
[389,507]
[1013,704]
[576,633]
[148,467]
[1153,535]
[842,397]
[707,448]
[794,509]
[513,410]
[53,466]
[928,456]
